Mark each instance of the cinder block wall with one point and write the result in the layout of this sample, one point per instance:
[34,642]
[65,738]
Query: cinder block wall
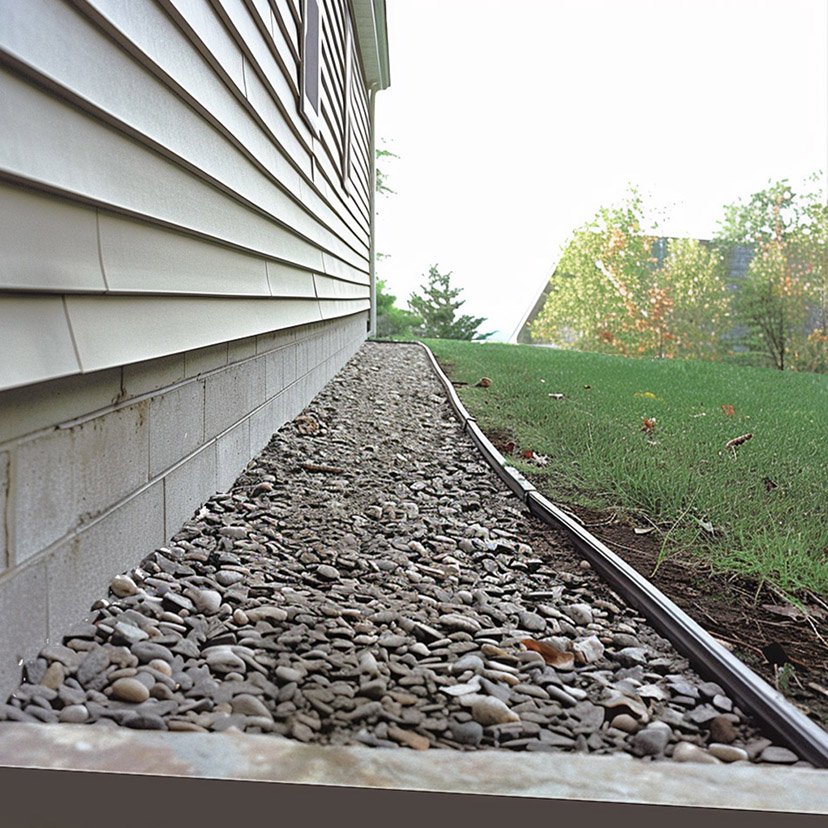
[98,470]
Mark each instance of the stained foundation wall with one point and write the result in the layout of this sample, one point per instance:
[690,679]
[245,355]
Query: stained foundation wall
[98,470]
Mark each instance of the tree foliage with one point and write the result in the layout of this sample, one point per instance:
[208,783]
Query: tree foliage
[380,176]
[437,305]
[393,322]
[610,293]
[783,300]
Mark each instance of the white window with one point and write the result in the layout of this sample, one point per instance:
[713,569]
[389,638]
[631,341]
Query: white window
[311,77]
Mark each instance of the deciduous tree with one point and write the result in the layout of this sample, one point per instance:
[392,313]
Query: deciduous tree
[783,294]
[609,293]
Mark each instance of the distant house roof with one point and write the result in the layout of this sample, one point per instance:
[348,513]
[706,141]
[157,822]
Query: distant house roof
[740,256]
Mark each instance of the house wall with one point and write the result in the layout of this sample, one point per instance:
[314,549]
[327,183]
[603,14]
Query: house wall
[184,262]
[96,471]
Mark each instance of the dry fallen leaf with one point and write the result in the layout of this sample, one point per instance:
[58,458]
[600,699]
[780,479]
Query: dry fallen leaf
[551,654]
[306,425]
[484,382]
[729,410]
[322,469]
[788,611]
[737,441]
[648,424]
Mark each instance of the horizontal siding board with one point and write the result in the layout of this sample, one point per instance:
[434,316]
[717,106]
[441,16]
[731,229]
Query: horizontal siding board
[263,132]
[296,6]
[64,235]
[98,74]
[360,123]
[331,95]
[283,80]
[360,195]
[285,280]
[335,23]
[331,140]
[284,19]
[276,40]
[329,288]
[143,258]
[355,232]
[46,141]
[360,159]
[333,308]
[35,331]
[164,45]
[205,23]
[341,270]
[262,12]
[118,330]
[332,54]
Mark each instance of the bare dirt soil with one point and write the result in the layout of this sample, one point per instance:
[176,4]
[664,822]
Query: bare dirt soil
[781,644]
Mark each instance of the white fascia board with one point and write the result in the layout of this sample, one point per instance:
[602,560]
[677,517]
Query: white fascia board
[372,37]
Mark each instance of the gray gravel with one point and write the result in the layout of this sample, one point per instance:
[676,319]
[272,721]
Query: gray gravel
[368,580]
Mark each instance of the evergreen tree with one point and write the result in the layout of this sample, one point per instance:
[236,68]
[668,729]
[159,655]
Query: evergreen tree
[437,305]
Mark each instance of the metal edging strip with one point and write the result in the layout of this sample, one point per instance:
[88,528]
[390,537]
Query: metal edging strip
[709,657]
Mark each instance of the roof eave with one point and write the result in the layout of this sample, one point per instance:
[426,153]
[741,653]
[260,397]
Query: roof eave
[372,37]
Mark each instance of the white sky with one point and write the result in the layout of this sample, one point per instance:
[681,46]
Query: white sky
[515,120]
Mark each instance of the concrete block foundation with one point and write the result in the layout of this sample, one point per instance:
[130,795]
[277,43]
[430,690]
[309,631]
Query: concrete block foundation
[98,470]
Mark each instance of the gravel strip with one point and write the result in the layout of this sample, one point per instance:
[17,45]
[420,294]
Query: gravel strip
[369,580]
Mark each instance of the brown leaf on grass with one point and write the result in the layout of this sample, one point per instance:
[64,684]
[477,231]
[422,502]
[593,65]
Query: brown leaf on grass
[551,654]
[527,454]
[648,424]
[484,382]
[737,441]
[729,410]
[510,447]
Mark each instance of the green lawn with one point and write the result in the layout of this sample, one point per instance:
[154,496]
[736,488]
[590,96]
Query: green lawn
[766,501]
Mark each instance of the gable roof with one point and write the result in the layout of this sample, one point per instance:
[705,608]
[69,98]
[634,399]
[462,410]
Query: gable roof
[740,256]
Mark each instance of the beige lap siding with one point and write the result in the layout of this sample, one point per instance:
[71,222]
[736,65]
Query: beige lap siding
[184,262]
